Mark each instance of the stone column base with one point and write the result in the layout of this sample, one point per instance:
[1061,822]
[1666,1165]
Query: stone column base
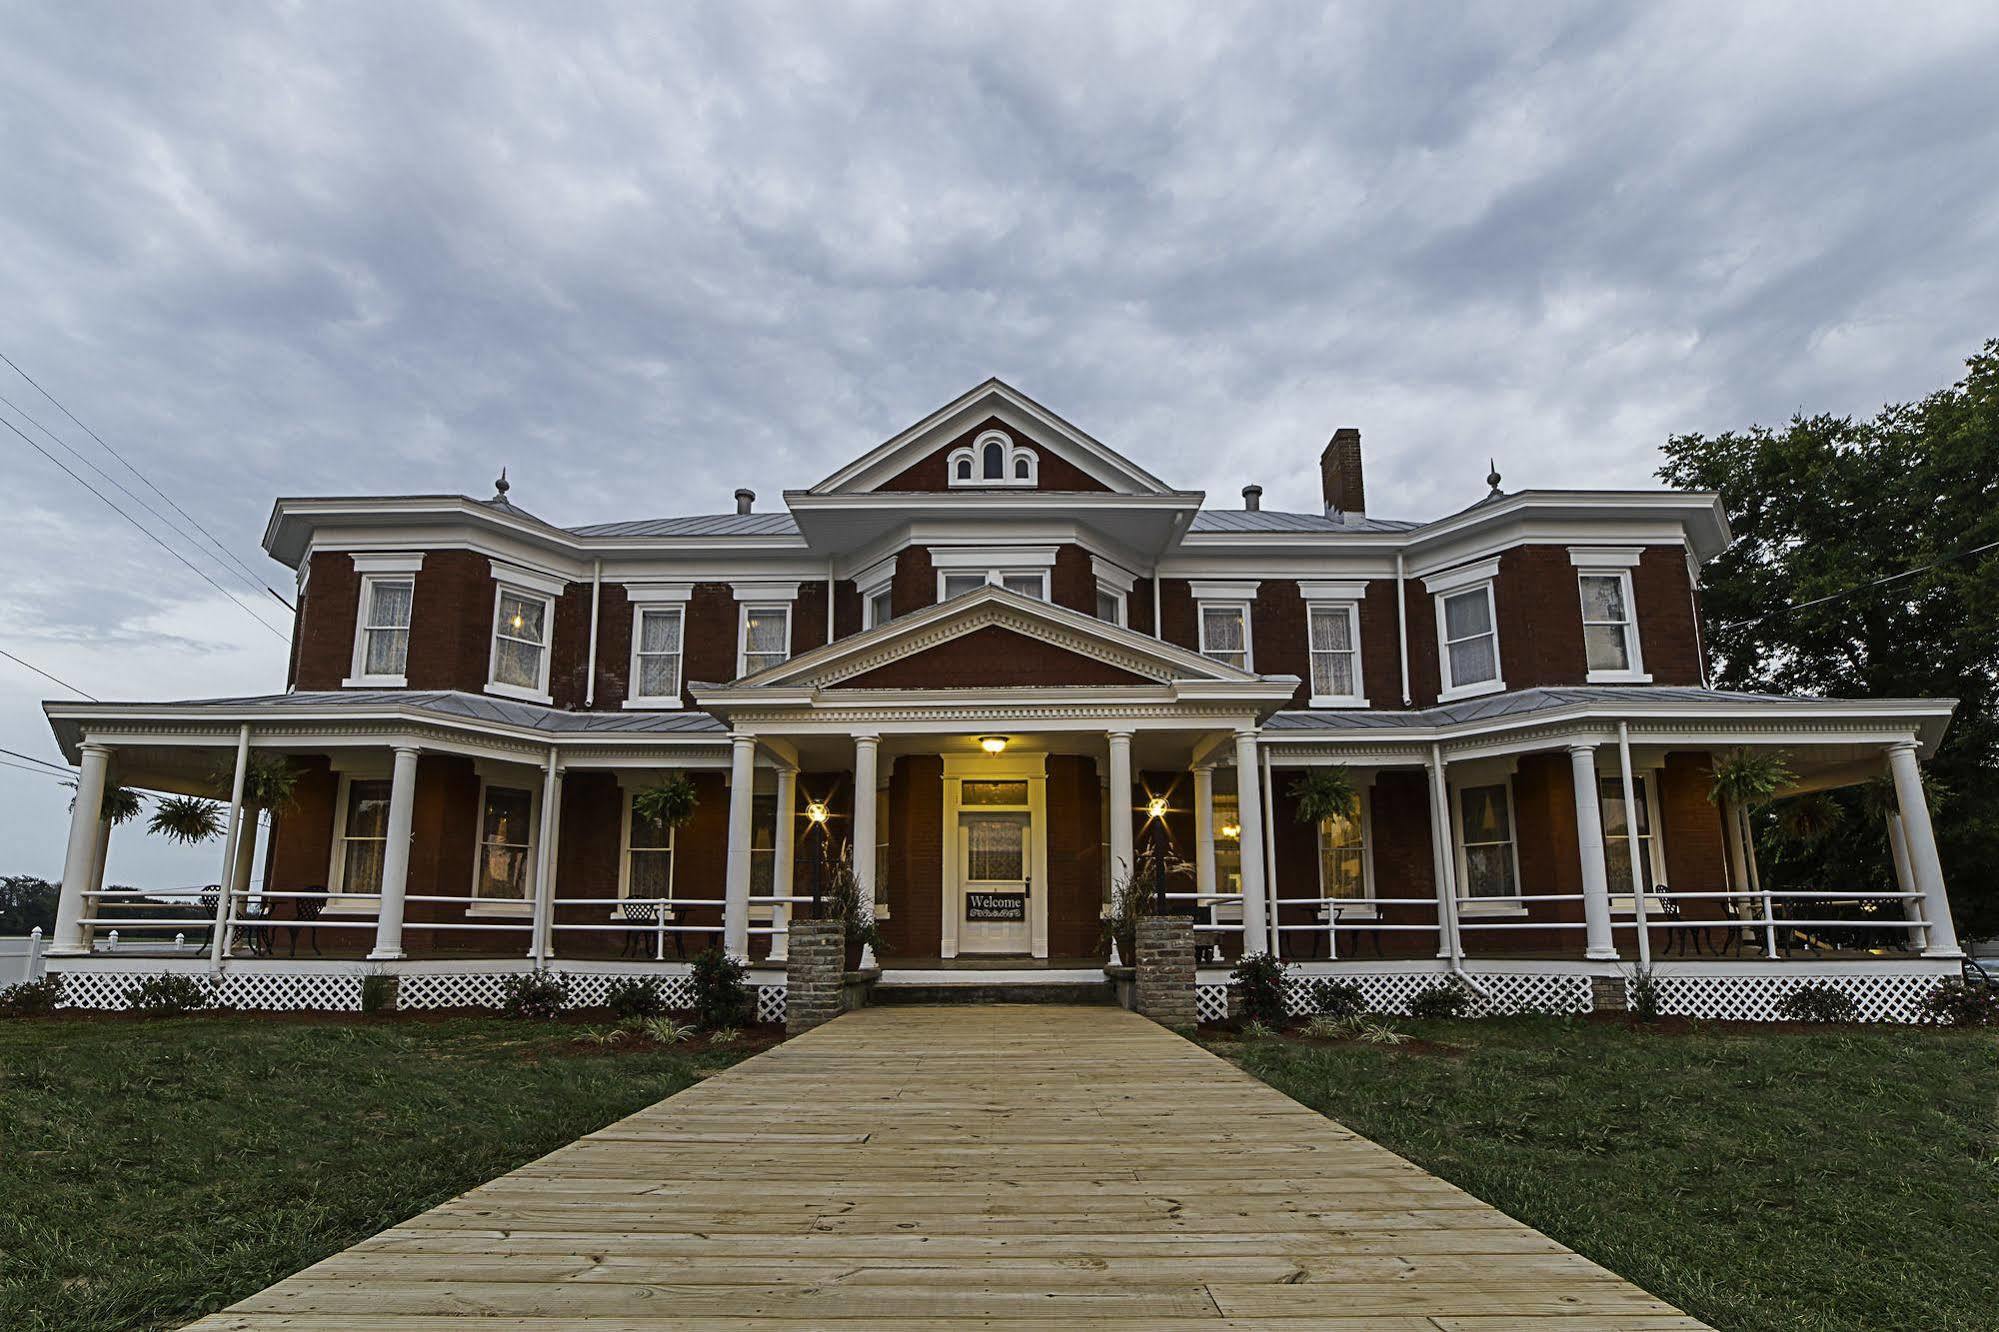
[1165,966]
[814,973]
[1606,994]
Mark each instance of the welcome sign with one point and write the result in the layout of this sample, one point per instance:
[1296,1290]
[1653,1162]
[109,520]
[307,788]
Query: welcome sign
[995,906]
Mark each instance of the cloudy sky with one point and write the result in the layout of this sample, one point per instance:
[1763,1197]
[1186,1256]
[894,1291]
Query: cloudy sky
[642,255]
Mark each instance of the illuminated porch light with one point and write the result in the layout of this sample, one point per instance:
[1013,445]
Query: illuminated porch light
[1155,808]
[993,744]
[815,811]
[1232,830]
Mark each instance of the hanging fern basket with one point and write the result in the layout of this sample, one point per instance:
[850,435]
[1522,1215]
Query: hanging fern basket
[1749,777]
[189,820]
[670,804]
[1322,794]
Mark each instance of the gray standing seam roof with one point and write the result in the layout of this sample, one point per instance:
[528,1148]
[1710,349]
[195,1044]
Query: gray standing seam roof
[782,524]
[1270,520]
[1517,703]
[475,707]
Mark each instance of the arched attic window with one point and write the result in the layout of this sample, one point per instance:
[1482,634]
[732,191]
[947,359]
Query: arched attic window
[993,459]
[995,455]
[964,469]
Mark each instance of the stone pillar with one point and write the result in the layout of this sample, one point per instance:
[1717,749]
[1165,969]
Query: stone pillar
[1920,838]
[866,750]
[84,814]
[813,973]
[783,846]
[1249,814]
[1598,944]
[736,879]
[396,857]
[1165,977]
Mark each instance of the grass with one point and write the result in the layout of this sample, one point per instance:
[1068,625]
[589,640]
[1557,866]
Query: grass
[1758,1178]
[151,1172]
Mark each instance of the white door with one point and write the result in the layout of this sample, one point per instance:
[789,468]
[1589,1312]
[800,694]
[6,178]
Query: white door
[995,883]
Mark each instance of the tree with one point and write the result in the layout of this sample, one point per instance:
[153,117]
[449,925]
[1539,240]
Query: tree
[1823,509]
[27,902]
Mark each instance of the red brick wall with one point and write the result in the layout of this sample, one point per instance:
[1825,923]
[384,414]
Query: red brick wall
[1668,635]
[1544,819]
[1694,851]
[303,846]
[1402,867]
[915,583]
[1073,580]
[325,648]
[614,649]
[711,634]
[1052,473]
[916,856]
[992,656]
[1075,866]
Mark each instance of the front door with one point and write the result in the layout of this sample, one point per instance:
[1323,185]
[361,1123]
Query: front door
[995,881]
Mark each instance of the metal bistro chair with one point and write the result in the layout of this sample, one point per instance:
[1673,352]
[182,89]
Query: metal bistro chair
[253,927]
[641,921]
[211,898]
[1680,933]
[305,917]
[1331,913]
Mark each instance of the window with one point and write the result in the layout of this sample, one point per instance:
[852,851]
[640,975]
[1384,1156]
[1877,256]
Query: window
[1020,469]
[385,628]
[505,872]
[1110,606]
[1485,843]
[1343,860]
[1225,633]
[647,871]
[364,840]
[957,585]
[520,642]
[881,608]
[964,471]
[993,459]
[1027,585]
[766,638]
[763,855]
[1610,623]
[1334,630]
[1471,644]
[1617,840]
[656,648]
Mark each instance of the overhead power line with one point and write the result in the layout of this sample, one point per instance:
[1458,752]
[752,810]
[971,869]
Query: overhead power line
[1863,587]
[150,534]
[47,763]
[47,676]
[226,552]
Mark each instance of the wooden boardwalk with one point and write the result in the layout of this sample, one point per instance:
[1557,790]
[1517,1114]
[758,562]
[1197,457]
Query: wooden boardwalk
[1028,1167]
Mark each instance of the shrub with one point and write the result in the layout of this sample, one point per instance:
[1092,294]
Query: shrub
[1644,994]
[1956,1004]
[1338,999]
[378,995]
[537,996]
[663,1030]
[1260,978]
[169,996]
[36,998]
[1354,1028]
[1818,1003]
[631,998]
[721,998]
[1448,1000]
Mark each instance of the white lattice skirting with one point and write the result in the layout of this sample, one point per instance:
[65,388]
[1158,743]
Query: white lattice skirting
[342,993]
[1390,992]
[1755,998]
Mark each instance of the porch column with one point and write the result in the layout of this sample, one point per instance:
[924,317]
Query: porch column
[1443,860]
[396,857]
[224,900]
[1204,832]
[1905,881]
[541,931]
[1119,795]
[736,883]
[1921,840]
[84,814]
[866,750]
[781,862]
[1249,813]
[1631,836]
[1598,944]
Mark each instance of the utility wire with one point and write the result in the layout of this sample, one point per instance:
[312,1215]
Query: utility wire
[130,468]
[1864,587]
[254,584]
[152,535]
[62,768]
[46,676]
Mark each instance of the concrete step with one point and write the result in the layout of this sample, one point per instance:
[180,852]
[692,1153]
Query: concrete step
[988,991]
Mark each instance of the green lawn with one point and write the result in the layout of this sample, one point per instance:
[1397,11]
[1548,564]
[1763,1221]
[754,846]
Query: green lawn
[151,1172]
[1759,1179]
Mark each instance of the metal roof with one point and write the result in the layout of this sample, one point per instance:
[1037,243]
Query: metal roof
[452,703]
[1525,702]
[1270,520]
[717,525]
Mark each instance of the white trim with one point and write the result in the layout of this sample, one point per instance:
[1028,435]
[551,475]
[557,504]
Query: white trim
[1012,454]
[1634,672]
[869,620]
[526,592]
[358,676]
[1201,609]
[388,562]
[1485,906]
[1031,768]
[641,609]
[744,609]
[653,594]
[1456,580]
[1011,558]
[1354,592]
[763,593]
[1112,575]
[547,584]
[1357,696]
[1459,587]
[1231,591]
[1605,557]
[503,906]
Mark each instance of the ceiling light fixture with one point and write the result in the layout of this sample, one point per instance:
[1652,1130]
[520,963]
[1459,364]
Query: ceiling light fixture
[993,744]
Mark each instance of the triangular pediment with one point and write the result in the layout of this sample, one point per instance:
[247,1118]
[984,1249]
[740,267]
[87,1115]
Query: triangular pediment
[916,458]
[995,656]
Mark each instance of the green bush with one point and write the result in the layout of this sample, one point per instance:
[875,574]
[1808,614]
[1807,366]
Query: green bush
[378,995]
[36,998]
[1644,994]
[537,995]
[1448,1000]
[1818,1003]
[169,996]
[721,998]
[1957,1004]
[1338,999]
[1260,980]
[632,998]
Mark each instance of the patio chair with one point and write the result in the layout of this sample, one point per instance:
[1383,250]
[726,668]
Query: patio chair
[641,918]
[305,914]
[253,927]
[1331,913]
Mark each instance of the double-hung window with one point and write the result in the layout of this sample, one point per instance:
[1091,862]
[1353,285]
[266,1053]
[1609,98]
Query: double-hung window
[1617,830]
[523,626]
[1488,866]
[504,880]
[880,607]
[359,850]
[382,620]
[1332,630]
[1113,592]
[1467,629]
[1610,621]
[1221,612]
[645,873]
[766,640]
[1110,607]
[659,637]
[1344,869]
[1018,569]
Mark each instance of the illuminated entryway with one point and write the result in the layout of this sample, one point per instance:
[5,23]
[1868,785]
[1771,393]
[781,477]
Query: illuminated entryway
[995,854]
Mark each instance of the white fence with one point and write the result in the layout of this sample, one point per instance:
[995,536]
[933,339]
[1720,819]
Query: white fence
[21,959]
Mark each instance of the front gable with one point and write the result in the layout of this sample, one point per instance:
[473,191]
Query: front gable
[996,657]
[1019,452]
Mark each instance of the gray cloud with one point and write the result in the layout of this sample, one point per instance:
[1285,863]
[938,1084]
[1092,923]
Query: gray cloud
[643,256]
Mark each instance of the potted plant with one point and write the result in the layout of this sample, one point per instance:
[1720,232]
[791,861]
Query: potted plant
[189,820]
[1322,794]
[842,902]
[1134,896]
[669,803]
[1749,777]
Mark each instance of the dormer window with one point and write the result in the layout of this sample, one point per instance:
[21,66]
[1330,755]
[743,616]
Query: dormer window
[995,458]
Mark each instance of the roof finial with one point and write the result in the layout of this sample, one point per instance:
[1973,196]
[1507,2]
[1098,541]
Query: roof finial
[1492,478]
[500,487]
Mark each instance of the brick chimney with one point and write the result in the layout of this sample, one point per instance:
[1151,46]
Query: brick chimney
[1339,472]
[744,499]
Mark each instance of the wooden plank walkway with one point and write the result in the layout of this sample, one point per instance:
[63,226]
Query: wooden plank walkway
[1008,1167]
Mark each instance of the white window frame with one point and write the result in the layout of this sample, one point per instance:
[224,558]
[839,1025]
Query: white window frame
[873,616]
[1113,585]
[652,599]
[743,612]
[1485,906]
[1011,455]
[873,583]
[336,868]
[1351,908]
[1612,562]
[1647,781]
[1441,587]
[529,586]
[672,849]
[1331,598]
[504,906]
[374,570]
[1226,596]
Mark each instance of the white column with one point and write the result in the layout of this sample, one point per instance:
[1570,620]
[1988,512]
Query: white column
[1443,860]
[1249,812]
[218,936]
[1631,835]
[1273,916]
[1598,943]
[76,866]
[781,861]
[1204,831]
[736,883]
[1905,881]
[1119,795]
[866,748]
[1921,840]
[1740,903]
[541,932]
[396,857]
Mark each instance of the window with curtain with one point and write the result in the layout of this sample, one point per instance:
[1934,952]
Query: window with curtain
[658,653]
[364,837]
[1343,855]
[520,640]
[648,858]
[1334,648]
[958,584]
[1471,645]
[1617,839]
[766,638]
[1485,835]
[506,845]
[1225,634]
[385,626]
[1607,623]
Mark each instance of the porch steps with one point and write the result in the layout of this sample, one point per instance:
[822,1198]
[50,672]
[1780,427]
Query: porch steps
[995,986]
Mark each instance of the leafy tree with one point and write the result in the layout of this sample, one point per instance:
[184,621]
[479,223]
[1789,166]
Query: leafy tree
[26,902]
[1842,509]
